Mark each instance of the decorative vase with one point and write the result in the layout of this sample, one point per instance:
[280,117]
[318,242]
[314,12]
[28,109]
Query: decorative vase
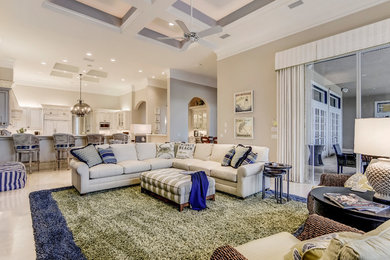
[378,176]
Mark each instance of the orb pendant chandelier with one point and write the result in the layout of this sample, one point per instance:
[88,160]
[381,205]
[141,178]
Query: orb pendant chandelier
[80,109]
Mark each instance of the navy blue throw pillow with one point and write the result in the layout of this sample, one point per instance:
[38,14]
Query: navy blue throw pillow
[107,155]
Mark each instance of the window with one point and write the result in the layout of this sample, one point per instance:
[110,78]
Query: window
[334,101]
[319,94]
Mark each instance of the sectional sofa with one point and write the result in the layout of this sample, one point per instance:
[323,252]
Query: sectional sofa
[133,159]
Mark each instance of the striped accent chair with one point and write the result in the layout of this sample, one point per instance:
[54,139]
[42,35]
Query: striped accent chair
[12,176]
[63,143]
[27,144]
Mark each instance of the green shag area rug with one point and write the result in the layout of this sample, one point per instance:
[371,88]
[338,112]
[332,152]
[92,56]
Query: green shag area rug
[127,224]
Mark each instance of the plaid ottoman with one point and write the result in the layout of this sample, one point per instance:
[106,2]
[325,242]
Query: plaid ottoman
[12,176]
[172,185]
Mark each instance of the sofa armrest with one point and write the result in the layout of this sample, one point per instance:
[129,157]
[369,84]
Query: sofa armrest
[316,226]
[250,169]
[80,167]
[332,179]
[227,253]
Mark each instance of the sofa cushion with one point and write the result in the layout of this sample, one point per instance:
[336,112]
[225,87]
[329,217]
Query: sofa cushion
[165,151]
[219,151]
[133,166]
[124,152]
[224,173]
[250,159]
[272,247]
[158,163]
[240,155]
[262,153]
[87,154]
[107,155]
[185,151]
[203,151]
[205,166]
[227,159]
[145,151]
[105,170]
[183,163]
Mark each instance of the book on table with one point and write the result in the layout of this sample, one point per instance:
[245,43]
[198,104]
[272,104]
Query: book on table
[353,201]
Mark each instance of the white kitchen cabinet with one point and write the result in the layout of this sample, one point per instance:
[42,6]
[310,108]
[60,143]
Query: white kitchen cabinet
[34,118]
[57,126]
[56,119]
[123,120]
[4,108]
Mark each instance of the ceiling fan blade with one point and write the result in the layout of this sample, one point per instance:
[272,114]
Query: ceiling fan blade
[207,44]
[183,26]
[210,31]
[186,45]
[170,38]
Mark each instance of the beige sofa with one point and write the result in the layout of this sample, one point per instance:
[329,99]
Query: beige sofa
[133,159]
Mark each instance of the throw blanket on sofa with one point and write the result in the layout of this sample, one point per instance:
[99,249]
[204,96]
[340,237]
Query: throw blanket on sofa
[198,194]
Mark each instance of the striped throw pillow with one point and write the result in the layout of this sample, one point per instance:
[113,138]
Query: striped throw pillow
[240,155]
[87,154]
[228,157]
[251,158]
[107,155]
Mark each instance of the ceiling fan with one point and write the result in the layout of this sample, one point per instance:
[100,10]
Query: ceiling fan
[190,37]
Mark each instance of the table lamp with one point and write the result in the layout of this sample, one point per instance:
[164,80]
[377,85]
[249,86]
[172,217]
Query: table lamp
[140,131]
[372,137]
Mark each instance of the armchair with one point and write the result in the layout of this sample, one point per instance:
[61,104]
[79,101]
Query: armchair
[344,159]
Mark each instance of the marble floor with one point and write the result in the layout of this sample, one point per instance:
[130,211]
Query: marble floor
[16,233]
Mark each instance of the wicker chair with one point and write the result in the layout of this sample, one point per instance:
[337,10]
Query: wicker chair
[119,138]
[27,144]
[327,179]
[96,139]
[63,143]
[314,226]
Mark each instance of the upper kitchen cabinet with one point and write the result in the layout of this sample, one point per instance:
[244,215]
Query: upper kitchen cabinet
[56,119]
[123,120]
[4,107]
[34,118]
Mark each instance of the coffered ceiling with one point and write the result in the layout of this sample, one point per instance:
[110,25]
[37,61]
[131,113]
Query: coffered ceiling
[120,37]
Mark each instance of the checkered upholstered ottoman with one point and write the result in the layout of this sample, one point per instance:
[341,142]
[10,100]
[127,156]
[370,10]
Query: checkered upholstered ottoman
[12,176]
[170,184]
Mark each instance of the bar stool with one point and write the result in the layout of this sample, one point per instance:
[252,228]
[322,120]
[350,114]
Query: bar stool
[119,138]
[96,139]
[63,143]
[26,144]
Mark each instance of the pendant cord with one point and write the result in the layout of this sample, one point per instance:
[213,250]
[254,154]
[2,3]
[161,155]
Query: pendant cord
[80,86]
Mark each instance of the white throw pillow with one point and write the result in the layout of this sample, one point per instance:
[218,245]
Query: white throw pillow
[145,151]
[124,152]
[219,151]
[203,151]
[262,153]
[185,151]
[165,151]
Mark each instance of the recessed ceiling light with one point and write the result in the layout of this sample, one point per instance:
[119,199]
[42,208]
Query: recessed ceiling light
[139,70]
[65,60]
[84,71]
[153,77]
[122,79]
[113,60]
[88,54]
[171,24]
[163,73]
[43,63]
[100,68]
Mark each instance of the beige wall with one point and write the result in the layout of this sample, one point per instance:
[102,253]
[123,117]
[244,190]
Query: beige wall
[254,69]
[34,97]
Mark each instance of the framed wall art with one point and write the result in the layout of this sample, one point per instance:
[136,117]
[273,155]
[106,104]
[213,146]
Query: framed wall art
[243,128]
[243,102]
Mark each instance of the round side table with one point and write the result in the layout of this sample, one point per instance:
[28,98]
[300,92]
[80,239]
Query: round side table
[277,171]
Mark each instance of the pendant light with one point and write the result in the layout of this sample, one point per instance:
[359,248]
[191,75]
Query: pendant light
[80,109]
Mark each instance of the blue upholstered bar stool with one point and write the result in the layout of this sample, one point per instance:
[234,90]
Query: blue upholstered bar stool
[27,144]
[119,138]
[96,139]
[63,143]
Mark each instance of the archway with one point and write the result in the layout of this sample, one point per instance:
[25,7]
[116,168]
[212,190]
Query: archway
[198,119]
[139,113]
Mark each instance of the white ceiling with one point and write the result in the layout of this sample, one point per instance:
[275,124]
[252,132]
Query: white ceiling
[31,33]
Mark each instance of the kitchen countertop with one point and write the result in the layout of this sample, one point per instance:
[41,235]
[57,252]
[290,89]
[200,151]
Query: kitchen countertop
[47,137]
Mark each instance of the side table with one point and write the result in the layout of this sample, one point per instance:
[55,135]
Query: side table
[277,171]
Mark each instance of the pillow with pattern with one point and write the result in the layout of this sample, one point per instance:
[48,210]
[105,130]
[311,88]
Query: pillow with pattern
[165,151]
[228,157]
[87,154]
[107,155]
[185,151]
[240,155]
[251,158]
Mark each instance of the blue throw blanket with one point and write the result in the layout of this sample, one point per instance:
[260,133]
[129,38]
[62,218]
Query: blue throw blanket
[200,185]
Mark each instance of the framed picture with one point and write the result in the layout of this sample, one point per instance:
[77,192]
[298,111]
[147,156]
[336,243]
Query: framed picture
[243,102]
[243,128]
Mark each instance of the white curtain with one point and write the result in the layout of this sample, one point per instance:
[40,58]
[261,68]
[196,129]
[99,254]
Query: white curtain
[291,118]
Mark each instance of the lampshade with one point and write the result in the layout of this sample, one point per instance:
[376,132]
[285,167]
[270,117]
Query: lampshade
[140,129]
[372,136]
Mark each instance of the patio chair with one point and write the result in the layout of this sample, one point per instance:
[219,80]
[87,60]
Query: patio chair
[344,159]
